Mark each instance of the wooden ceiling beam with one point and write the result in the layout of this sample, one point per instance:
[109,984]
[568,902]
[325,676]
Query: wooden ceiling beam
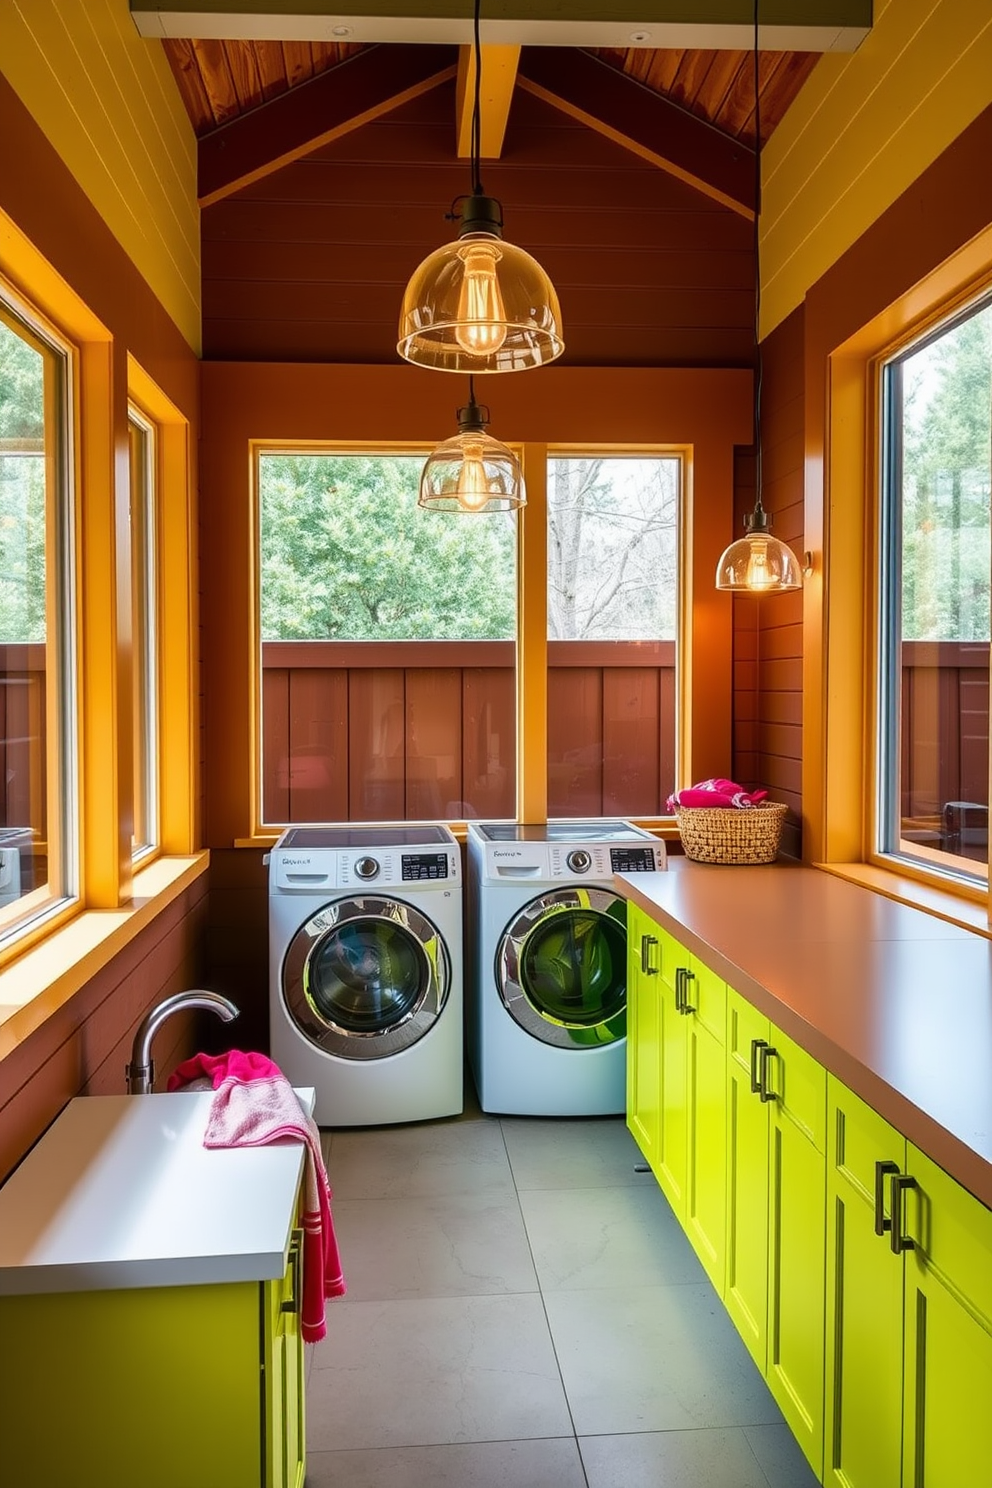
[356,91]
[499,76]
[636,117]
[786,25]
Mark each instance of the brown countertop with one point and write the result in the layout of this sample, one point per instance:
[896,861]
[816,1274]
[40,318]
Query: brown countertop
[896,1002]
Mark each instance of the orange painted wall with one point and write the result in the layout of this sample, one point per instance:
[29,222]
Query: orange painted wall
[706,408]
[84,1046]
[778,639]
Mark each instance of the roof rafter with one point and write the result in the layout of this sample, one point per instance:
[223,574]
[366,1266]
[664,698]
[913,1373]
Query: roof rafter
[343,98]
[641,120]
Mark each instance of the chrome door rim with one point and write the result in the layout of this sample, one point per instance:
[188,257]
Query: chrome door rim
[509,955]
[319,1029]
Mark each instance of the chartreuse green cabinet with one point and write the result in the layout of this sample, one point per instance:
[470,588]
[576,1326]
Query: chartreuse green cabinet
[858,1273]
[909,1312]
[199,1386]
[776,1157]
[677,1075]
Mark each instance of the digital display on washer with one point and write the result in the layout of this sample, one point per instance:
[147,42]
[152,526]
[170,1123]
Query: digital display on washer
[425,865]
[632,859]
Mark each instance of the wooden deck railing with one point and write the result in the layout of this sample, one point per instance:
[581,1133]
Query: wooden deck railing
[22,736]
[425,730]
[945,725]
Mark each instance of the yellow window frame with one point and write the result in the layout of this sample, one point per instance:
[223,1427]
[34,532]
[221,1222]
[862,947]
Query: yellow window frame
[841,609]
[532,618]
[57,953]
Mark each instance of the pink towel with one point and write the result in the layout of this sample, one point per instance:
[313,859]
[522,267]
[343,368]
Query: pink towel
[716,792]
[255,1104]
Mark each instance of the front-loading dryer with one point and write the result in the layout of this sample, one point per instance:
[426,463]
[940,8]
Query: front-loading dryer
[365,970]
[547,997]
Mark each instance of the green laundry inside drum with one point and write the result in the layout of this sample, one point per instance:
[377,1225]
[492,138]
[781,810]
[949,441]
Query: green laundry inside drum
[364,977]
[573,971]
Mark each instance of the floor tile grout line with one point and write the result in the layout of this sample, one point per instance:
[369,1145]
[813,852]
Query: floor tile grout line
[544,1307]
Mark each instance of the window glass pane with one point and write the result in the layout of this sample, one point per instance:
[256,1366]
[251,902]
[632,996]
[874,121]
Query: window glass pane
[387,646]
[33,795]
[141,438]
[612,616]
[936,585]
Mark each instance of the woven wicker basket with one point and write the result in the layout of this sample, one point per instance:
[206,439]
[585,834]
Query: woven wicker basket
[722,834]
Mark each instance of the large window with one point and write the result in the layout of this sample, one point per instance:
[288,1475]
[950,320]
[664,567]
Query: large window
[613,526]
[387,646]
[388,664]
[935,583]
[37,795]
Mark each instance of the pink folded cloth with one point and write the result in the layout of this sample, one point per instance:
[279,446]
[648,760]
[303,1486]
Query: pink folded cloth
[255,1104]
[716,792]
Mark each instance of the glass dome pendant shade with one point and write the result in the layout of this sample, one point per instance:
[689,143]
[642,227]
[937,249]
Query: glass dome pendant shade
[472,472]
[480,304]
[758,563]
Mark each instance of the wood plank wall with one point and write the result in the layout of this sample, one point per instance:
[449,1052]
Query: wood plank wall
[310,263]
[768,632]
[83,1049]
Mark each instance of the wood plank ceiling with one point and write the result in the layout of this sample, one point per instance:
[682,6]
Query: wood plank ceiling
[222,80]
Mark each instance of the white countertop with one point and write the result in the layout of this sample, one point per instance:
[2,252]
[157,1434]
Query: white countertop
[121,1192]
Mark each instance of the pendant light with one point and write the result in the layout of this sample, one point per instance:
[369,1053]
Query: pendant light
[479,304]
[758,563]
[472,472]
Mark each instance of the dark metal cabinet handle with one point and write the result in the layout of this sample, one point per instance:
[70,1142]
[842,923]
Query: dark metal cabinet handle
[898,1239]
[882,1170]
[647,941]
[679,988]
[756,1047]
[687,977]
[766,1053]
[295,1300]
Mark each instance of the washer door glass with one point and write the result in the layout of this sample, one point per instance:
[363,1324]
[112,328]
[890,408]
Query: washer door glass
[366,978]
[562,968]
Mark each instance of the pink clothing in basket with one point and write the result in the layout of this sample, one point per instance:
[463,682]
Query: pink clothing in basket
[254,1104]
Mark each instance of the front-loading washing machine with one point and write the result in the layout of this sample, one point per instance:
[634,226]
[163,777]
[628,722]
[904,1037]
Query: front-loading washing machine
[365,970]
[547,997]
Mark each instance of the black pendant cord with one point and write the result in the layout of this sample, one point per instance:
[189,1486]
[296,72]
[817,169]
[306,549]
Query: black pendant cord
[476,144]
[758,508]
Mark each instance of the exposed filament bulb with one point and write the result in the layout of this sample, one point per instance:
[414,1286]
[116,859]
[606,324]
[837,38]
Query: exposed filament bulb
[480,329]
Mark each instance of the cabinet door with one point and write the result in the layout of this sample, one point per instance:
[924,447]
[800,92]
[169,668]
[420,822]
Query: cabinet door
[746,1295]
[947,1430]
[152,1386]
[797,1242]
[285,1435]
[706,1079]
[864,1301]
[673,1131]
[643,1034]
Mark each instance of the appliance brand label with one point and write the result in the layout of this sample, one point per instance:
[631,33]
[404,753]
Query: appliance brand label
[289,862]
[507,852]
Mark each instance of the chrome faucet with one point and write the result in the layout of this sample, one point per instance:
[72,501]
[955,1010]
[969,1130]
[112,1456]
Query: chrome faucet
[140,1072]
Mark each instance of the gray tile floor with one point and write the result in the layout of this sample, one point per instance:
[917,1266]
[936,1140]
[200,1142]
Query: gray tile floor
[523,1311]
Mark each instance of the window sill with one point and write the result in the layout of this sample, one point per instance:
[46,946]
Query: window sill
[47,976]
[969,914]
